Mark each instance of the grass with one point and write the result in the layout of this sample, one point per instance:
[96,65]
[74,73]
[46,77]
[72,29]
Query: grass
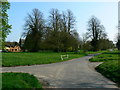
[0,81]
[19,80]
[107,56]
[110,68]
[28,58]
[94,52]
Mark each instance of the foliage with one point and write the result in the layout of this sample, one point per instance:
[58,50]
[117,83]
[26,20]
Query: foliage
[118,41]
[55,35]
[5,27]
[104,44]
[61,31]
[27,58]
[96,31]
[19,80]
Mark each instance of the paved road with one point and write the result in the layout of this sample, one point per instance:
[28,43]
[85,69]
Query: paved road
[76,73]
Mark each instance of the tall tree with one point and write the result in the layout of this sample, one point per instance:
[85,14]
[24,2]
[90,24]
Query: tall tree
[60,31]
[5,26]
[96,31]
[54,24]
[34,29]
[68,30]
[118,41]
[71,20]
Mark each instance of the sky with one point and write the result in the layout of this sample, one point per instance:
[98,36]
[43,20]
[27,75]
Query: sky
[106,12]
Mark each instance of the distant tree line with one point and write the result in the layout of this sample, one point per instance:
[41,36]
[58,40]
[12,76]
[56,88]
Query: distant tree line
[58,33]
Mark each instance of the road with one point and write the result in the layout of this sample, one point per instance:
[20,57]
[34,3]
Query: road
[76,73]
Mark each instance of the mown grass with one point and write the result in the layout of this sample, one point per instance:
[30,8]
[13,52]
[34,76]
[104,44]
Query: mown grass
[94,52]
[110,70]
[106,56]
[111,66]
[28,58]
[19,80]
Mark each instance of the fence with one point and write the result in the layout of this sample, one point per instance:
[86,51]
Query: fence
[64,56]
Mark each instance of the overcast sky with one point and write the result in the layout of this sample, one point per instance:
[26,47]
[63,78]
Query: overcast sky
[106,12]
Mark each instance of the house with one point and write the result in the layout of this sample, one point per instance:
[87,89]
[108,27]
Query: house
[12,47]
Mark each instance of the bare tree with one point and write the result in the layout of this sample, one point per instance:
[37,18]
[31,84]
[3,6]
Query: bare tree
[96,31]
[34,29]
[54,24]
[71,20]
[61,27]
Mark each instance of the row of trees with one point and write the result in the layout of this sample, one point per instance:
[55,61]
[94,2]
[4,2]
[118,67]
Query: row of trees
[57,34]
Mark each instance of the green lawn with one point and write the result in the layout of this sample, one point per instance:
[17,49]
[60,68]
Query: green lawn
[110,70]
[111,66]
[94,52]
[28,58]
[107,56]
[19,80]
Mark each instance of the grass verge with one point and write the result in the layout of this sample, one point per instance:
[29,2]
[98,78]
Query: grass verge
[19,80]
[107,56]
[110,70]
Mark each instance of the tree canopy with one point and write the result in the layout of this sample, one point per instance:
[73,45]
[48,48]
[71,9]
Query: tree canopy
[96,32]
[34,27]
[5,26]
[57,34]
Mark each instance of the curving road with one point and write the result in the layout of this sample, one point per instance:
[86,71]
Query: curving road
[76,73]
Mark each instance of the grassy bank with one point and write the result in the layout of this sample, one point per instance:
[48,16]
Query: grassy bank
[19,80]
[28,58]
[110,68]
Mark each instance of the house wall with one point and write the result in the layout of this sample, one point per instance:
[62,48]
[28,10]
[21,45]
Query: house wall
[14,49]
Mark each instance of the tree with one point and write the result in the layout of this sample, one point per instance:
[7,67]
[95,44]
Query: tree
[34,29]
[5,26]
[75,40]
[68,31]
[71,20]
[54,24]
[85,44]
[105,44]
[118,41]
[55,35]
[96,31]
